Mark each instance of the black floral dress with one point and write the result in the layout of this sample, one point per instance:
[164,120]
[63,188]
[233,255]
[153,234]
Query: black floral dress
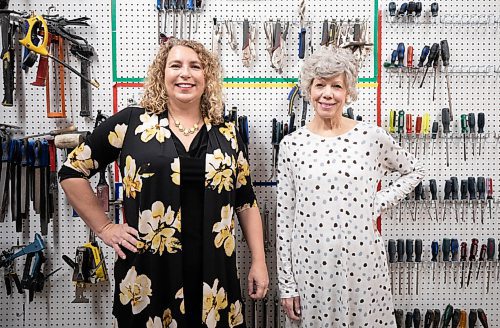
[149,286]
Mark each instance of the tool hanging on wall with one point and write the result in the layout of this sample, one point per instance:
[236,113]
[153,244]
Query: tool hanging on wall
[248,47]
[302,32]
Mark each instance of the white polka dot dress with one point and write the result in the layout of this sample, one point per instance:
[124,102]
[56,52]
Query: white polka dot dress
[329,252]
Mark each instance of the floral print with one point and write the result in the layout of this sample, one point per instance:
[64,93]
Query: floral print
[158,228]
[117,136]
[80,159]
[214,300]
[153,127]
[229,132]
[180,294]
[176,171]
[219,171]
[243,171]
[136,290]
[166,322]
[132,180]
[225,230]
[235,315]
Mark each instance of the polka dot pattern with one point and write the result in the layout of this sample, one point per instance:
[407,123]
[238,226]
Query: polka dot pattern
[329,251]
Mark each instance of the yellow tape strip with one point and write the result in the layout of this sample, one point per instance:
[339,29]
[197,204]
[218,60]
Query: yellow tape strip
[261,85]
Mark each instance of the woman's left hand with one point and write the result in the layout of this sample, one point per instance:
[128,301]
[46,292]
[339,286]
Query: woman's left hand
[258,280]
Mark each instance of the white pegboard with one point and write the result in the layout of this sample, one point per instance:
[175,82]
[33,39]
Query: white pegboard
[134,27]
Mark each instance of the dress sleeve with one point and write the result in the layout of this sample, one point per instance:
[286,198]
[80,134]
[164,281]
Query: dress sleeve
[100,148]
[393,158]
[245,195]
[284,224]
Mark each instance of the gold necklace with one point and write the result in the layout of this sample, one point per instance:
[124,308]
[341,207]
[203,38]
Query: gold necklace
[183,130]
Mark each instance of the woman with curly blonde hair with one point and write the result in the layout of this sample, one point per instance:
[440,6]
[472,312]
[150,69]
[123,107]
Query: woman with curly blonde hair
[176,268]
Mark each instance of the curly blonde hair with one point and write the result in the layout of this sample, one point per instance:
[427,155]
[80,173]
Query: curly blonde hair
[155,98]
[326,63]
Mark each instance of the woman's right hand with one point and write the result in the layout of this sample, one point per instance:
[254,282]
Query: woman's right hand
[118,236]
[291,306]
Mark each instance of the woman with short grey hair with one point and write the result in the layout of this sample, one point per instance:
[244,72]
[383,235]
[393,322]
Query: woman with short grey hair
[332,267]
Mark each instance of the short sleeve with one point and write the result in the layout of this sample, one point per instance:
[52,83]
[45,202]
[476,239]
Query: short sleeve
[245,195]
[101,147]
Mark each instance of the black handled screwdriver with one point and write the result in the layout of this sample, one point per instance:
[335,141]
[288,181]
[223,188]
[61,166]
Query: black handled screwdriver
[463,196]
[472,257]
[401,57]
[445,58]
[434,9]
[482,318]
[445,120]
[454,195]
[433,54]
[421,60]
[418,259]
[428,318]
[448,313]
[434,133]
[480,129]
[471,184]
[409,319]
[433,189]
[454,256]
[392,9]
[434,258]
[409,260]
[464,129]
[399,318]
[463,259]
[446,254]
[418,198]
[403,9]
[446,198]
[437,318]
[401,255]
[481,192]
[489,192]
[472,318]
[417,318]
[455,319]
[490,253]
[392,259]
[472,130]
[482,258]
[418,9]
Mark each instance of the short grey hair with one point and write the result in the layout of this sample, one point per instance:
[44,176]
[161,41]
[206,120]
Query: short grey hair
[325,63]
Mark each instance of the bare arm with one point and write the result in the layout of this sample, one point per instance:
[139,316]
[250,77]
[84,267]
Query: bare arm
[251,224]
[81,196]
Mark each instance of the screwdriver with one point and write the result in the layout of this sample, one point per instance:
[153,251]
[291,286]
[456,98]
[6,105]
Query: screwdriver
[446,254]
[445,119]
[401,125]
[399,318]
[434,9]
[464,129]
[482,258]
[437,318]
[392,9]
[480,128]
[409,319]
[490,253]
[435,65]
[454,257]
[392,259]
[433,188]
[409,260]
[472,130]
[454,195]
[418,198]
[401,255]
[448,313]
[463,196]
[481,190]
[489,191]
[401,57]
[428,318]
[435,130]
[472,257]
[418,9]
[409,129]
[433,55]
[472,318]
[446,198]
[434,252]
[402,9]
[455,319]
[392,121]
[418,130]
[463,259]
[418,259]
[482,318]
[445,58]
[411,10]
[471,184]
[417,317]
[426,128]
[463,319]
[421,60]
[409,63]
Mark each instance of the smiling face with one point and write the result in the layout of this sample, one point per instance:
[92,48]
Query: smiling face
[184,76]
[328,96]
